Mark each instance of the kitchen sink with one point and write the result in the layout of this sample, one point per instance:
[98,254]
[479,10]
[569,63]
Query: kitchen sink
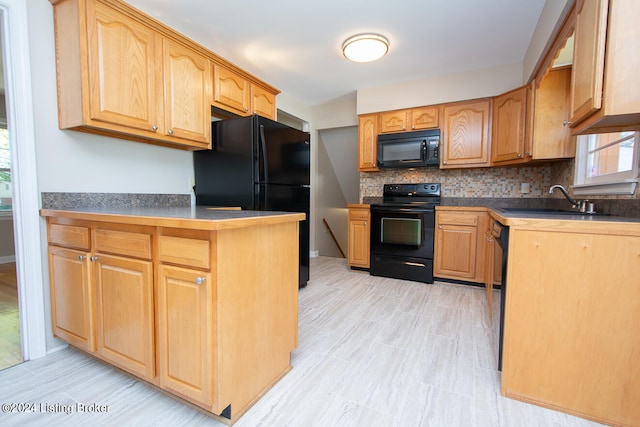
[549,211]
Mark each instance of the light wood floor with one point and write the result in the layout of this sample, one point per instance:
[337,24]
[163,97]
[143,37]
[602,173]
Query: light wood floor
[372,352]
[10,353]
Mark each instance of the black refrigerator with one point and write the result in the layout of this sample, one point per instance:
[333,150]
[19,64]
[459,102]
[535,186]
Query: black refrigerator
[257,164]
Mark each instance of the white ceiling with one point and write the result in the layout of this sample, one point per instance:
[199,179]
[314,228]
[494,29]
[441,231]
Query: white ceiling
[296,45]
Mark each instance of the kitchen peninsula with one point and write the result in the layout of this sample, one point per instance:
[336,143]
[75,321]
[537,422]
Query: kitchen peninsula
[199,302]
[572,312]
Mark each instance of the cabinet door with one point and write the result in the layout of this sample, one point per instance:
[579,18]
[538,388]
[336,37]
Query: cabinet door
[72,297]
[231,91]
[263,102]
[359,237]
[588,58]
[489,264]
[123,82]
[456,251]
[186,333]
[465,134]
[368,142]
[124,302]
[425,118]
[460,245]
[509,116]
[394,121]
[187,77]
[551,137]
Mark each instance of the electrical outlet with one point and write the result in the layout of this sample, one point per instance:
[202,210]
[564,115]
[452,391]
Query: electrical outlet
[525,188]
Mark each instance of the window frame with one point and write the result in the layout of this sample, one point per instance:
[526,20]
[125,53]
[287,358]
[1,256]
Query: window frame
[621,183]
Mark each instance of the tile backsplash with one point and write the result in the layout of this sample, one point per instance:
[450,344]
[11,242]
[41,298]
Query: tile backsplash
[496,182]
[475,182]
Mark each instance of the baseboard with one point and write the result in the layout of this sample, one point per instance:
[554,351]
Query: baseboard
[7,259]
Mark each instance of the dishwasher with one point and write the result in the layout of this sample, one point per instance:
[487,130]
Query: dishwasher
[501,235]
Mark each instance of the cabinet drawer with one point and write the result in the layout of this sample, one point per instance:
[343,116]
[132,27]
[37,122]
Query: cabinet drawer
[458,218]
[358,214]
[69,235]
[123,243]
[179,250]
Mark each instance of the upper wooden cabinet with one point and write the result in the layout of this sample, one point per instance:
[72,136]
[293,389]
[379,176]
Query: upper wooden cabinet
[425,117]
[551,137]
[410,119]
[509,118]
[605,95]
[187,84]
[263,102]
[120,87]
[368,143]
[465,140]
[234,93]
[394,121]
[124,74]
[588,58]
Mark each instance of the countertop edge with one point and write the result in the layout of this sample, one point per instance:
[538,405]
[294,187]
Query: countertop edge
[599,225]
[211,224]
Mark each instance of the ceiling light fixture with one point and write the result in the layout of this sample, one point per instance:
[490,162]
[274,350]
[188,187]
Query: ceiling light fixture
[365,47]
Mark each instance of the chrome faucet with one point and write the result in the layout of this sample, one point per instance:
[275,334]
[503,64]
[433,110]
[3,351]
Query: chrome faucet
[575,204]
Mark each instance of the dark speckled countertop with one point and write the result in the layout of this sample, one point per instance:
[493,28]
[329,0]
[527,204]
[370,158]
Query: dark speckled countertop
[613,207]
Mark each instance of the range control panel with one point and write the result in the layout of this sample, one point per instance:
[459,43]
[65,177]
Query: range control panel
[412,190]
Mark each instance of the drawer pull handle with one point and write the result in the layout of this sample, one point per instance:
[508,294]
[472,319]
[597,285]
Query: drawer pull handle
[82,257]
[170,132]
[93,258]
[154,128]
[199,280]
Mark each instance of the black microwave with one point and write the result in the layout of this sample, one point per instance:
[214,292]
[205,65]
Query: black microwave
[409,149]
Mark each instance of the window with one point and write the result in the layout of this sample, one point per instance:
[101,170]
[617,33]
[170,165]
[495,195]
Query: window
[607,163]
[5,170]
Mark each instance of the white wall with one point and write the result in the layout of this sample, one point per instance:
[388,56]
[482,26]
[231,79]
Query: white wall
[440,89]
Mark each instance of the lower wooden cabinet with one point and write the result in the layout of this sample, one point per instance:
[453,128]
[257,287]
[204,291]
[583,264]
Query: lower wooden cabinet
[72,297]
[206,314]
[102,296]
[492,263]
[460,243]
[124,302]
[186,333]
[359,235]
[571,319]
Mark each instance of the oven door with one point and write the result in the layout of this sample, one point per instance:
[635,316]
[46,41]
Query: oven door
[402,231]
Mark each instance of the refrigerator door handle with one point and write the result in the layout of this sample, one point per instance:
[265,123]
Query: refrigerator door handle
[262,202]
[263,147]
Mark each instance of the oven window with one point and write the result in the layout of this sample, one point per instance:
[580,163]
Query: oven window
[403,231]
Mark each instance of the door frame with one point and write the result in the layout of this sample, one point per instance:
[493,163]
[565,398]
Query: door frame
[26,203]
